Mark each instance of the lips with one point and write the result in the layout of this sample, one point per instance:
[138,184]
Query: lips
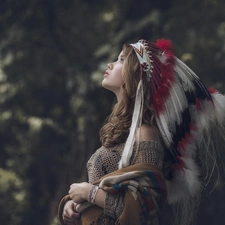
[106,74]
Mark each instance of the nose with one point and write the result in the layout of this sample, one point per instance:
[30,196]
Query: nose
[110,66]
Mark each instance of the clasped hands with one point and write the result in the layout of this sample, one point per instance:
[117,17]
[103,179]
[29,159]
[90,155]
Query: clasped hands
[78,193]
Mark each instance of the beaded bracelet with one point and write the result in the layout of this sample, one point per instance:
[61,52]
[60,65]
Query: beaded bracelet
[92,194]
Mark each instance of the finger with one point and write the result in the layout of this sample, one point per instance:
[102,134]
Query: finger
[67,219]
[70,191]
[75,216]
[71,213]
[72,217]
[71,195]
[68,211]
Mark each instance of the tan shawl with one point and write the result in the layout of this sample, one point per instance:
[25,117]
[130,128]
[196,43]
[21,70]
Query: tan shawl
[145,196]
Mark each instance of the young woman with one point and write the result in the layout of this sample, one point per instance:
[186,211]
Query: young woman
[151,144]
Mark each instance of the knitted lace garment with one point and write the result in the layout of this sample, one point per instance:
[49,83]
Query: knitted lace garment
[105,160]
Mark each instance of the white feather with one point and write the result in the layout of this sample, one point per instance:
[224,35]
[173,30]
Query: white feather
[172,114]
[164,130]
[207,114]
[185,182]
[186,80]
[219,104]
[162,57]
[137,115]
[186,70]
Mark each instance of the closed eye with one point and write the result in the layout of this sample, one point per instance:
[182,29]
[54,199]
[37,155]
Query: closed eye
[121,60]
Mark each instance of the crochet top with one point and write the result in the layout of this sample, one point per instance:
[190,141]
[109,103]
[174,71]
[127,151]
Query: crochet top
[105,160]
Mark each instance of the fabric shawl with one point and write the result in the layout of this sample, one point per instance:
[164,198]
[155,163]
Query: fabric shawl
[145,197]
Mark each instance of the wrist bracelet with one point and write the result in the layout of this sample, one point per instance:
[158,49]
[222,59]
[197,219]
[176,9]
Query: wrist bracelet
[92,194]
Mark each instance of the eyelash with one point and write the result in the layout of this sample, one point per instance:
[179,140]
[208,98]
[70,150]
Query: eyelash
[121,60]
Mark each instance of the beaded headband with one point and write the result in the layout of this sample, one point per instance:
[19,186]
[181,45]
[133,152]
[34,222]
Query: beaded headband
[143,57]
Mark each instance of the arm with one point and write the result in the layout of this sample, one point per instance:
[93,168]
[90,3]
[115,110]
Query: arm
[67,214]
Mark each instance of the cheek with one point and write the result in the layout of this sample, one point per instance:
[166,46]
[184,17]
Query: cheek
[119,75]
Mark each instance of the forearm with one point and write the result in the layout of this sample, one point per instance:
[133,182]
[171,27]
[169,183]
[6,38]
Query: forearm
[112,204]
[100,198]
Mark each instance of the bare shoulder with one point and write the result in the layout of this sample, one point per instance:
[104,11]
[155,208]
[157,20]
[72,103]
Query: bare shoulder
[148,133]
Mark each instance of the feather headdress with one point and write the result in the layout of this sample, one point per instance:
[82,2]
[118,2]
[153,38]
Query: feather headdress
[184,109]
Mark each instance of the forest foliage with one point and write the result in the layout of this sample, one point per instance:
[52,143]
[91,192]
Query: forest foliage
[53,54]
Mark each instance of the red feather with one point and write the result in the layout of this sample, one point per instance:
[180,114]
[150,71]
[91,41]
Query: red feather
[212,90]
[164,44]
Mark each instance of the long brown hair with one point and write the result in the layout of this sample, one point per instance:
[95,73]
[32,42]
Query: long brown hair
[116,129]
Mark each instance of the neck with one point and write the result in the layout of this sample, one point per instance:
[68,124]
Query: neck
[118,96]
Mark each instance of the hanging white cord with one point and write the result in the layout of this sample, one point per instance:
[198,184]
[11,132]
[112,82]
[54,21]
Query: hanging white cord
[137,115]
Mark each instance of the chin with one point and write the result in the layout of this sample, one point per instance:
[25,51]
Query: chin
[105,85]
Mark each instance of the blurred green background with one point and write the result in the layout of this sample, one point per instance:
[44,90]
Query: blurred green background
[53,54]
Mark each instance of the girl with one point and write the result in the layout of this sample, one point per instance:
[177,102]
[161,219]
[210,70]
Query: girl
[151,144]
